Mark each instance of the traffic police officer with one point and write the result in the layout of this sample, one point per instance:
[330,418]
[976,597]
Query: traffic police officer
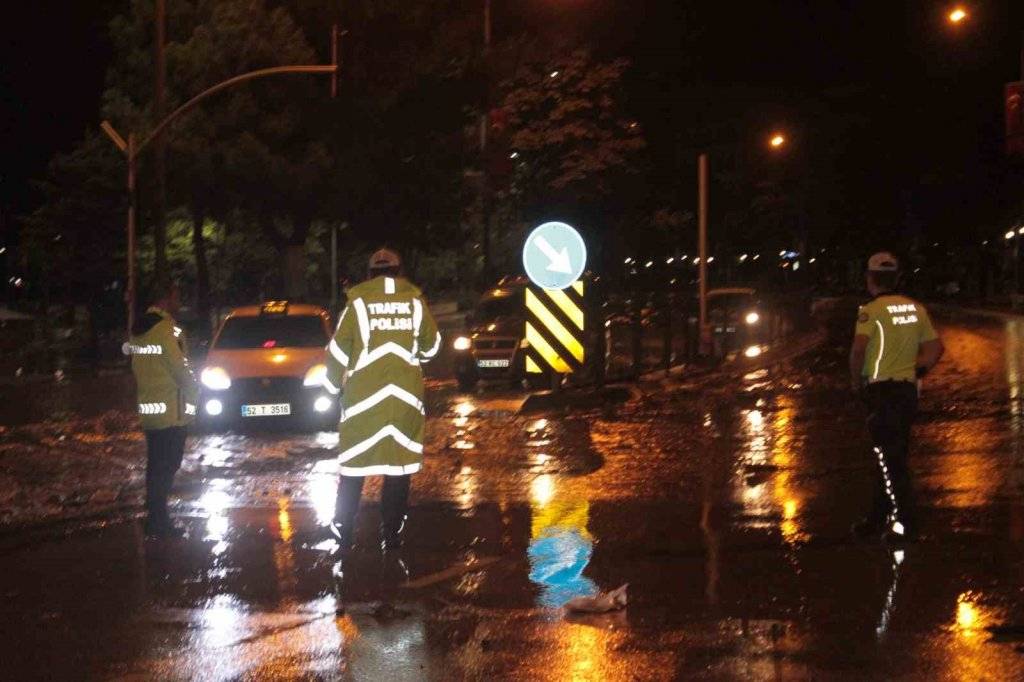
[894,346]
[385,333]
[167,398]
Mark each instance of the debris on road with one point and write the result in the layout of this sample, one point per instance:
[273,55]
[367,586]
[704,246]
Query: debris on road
[599,603]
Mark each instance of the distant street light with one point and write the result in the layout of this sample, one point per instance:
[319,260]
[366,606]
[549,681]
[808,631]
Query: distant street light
[778,140]
[1009,235]
[957,15]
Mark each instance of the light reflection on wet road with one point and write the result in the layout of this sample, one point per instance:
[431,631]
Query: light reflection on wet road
[723,502]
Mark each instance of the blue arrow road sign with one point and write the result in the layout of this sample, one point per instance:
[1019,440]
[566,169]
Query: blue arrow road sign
[554,255]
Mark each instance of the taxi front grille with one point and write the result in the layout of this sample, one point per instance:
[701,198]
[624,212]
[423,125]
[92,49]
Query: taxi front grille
[268,387]
[494,344]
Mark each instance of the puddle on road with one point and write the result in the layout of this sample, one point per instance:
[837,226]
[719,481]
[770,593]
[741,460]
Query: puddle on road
[710,510]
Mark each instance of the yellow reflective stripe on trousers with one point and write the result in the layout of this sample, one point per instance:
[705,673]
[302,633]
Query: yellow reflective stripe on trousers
[534,305]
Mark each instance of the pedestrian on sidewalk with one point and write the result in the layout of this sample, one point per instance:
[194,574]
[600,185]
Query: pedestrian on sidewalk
[167,398]
[894,347]
[385,333]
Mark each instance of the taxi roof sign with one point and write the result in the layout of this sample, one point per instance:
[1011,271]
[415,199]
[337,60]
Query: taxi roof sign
[274,308]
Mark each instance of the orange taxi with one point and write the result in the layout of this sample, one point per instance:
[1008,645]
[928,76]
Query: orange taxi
[266,364]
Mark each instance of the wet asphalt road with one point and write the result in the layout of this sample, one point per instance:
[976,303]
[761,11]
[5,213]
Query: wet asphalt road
[723,502]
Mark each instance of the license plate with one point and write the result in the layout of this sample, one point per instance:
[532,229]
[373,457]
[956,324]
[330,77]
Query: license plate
[503,362]
[274,410]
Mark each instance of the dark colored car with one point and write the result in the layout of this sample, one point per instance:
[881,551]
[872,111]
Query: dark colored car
[491,349]
[737,321]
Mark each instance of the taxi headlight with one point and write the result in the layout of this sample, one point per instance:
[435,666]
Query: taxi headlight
[315,376]
[215,378]
[753,317]
[462,343]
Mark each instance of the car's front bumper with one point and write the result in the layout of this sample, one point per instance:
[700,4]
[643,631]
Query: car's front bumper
[491,364]
[226,407]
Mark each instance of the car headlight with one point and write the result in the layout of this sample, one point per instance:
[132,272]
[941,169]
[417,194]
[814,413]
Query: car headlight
[462,343]
[215,378]
[753,318]
[315,376]
[752,351]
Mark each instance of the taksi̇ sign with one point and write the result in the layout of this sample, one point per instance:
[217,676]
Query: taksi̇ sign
[554,255]
[554,329]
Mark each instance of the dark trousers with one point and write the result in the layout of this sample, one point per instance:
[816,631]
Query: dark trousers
[394,502]
[892,408]
[164,450]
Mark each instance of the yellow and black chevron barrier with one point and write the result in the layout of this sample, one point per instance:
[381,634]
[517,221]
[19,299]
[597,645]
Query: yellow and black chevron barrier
[555,323]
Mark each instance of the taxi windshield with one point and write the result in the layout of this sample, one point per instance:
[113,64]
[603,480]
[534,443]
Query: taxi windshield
[285,331]
[503,306]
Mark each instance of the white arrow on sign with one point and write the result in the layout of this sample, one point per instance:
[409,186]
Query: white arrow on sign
[559,259]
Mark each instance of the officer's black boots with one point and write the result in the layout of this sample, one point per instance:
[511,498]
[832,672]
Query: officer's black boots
[393,505]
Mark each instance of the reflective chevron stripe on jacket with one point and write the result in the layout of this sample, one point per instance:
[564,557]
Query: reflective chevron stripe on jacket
[384,335]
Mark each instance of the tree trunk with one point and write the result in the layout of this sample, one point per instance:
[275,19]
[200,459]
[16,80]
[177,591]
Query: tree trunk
[295,260]
[295,271]
[202,270]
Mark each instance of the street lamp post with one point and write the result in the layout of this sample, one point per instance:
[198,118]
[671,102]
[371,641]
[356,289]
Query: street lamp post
[132,151]
[702,247]
[777,141]
[485,200]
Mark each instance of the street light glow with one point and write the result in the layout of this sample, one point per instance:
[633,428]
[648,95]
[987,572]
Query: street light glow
[1010,234]
[957,15]
[778,140]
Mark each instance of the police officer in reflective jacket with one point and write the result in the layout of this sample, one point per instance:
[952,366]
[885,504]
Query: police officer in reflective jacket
[384,335]
[167,397]
[894,347]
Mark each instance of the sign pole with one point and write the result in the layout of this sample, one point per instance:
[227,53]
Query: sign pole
[130,291]
[702,238]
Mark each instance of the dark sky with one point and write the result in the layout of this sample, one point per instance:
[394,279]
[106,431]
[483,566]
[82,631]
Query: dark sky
[54,56]
[933,92]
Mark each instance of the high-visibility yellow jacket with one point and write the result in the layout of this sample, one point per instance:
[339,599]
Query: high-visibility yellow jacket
[166,387]
[385,333]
